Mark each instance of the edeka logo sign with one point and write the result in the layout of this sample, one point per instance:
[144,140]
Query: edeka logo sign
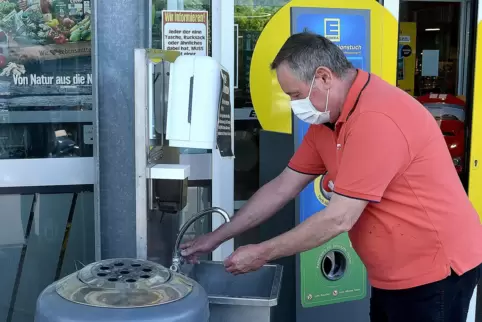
[348,29]
[332,29]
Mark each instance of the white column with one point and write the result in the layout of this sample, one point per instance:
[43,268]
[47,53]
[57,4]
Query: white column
[223,169]
[393,6]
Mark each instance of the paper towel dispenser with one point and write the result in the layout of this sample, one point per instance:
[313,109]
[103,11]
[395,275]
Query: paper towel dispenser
[195,88]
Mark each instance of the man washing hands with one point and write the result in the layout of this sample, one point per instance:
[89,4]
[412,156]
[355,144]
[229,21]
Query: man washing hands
[395,189]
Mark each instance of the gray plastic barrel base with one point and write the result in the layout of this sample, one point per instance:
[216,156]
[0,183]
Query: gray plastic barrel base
[53,308]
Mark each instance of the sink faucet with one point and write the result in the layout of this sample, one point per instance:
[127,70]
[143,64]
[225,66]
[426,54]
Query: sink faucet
[176,257]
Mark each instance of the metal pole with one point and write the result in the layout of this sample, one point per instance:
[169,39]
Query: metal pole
[120,27]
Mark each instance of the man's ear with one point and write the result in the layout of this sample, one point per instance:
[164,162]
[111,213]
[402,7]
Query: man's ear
[324,76]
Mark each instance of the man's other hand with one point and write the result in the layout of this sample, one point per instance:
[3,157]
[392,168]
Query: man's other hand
[245,259]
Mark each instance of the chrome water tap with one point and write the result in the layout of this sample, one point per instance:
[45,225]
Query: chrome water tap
[176,257]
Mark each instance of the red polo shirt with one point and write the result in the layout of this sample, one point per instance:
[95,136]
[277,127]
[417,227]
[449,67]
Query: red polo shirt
[390,151]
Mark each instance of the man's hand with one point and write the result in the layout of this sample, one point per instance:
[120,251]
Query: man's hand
[278,191]
[201,245]
[245,259]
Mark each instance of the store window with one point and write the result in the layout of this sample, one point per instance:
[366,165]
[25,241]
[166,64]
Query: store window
[250,17]
[46,148]
[46,79]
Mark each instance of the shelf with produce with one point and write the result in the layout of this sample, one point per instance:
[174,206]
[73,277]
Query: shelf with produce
[44,22]
[45,47]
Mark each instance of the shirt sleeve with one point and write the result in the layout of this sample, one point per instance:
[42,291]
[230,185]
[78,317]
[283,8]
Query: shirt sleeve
[307,159]
[375,152]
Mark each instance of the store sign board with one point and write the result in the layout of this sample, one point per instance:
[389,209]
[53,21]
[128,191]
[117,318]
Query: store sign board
[185,31]
[320,283]
[346,28]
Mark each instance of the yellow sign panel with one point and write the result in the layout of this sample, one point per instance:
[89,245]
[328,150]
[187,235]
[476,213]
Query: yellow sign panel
[475,169]
[407,56]
[270,103]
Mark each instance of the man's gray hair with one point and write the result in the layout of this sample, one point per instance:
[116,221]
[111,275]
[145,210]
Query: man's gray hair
[305,52]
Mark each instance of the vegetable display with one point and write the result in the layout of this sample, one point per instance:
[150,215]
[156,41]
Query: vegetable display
[44,22]
[26,26]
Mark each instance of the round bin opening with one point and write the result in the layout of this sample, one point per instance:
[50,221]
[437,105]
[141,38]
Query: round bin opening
[333,265]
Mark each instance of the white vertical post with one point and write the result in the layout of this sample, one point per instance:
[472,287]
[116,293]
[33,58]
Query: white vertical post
[223,168]
[393,6]
[141,106]
[95,104]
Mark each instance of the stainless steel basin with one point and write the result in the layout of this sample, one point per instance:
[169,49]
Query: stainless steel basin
[241,298]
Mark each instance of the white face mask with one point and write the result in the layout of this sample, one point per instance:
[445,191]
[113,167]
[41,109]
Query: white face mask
[305,111]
